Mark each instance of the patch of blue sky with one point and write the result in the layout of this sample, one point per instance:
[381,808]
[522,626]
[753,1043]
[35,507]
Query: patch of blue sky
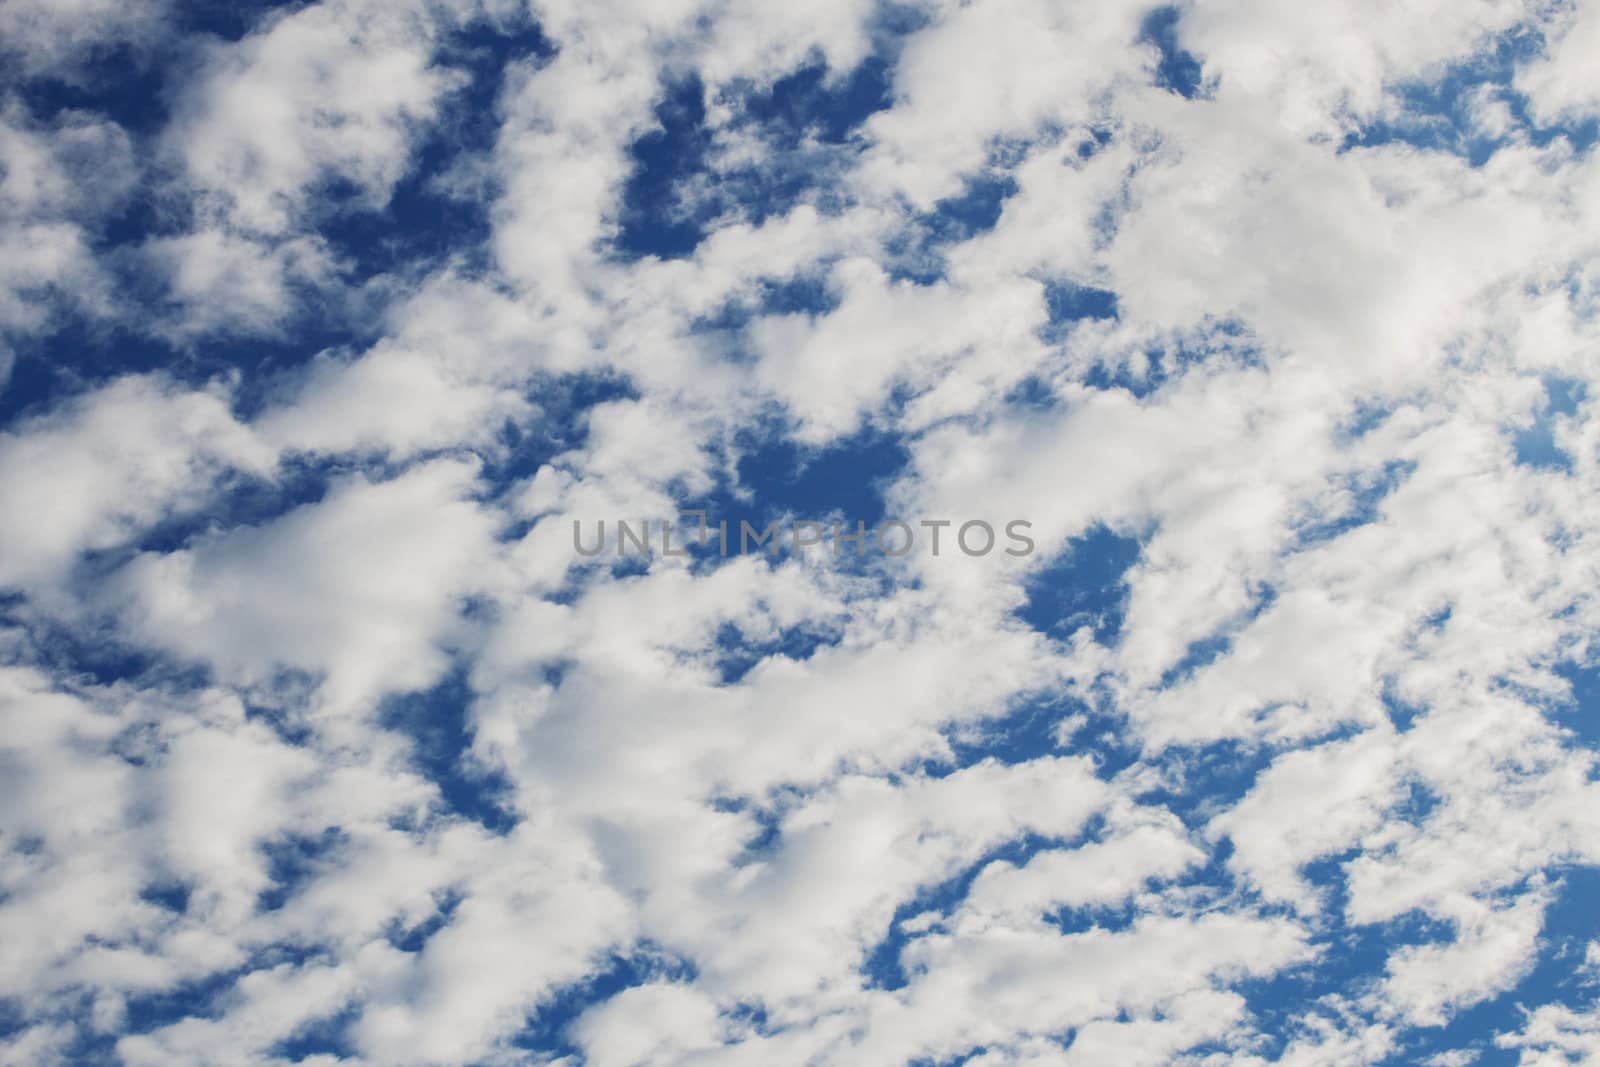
[238,500]
[772,475]
[1402,713]
[1225,344]
[1349,962]
[1564,395]
[882,965]
[438,722]
[764,843]
[916,252]
[1031,393]
[128,82]
[146,1012]
[958,1060]
[803,120]
[1043,724]
[750,1017]
[1198,781]
[1104,737]
[849,476]
[559,425]
[1535,445]
[327,1036]
[203,998]
[1439,114]
[1553,978]
[766,813]
[1088,918]
[1581,713]
[1362,418]
[1211,880]
[420,224]
[89,652]
[735,653]
[206,998]
[1086,585]
[1358,501]
[423,224]
[1069,302]
[1417,802]
[1029,730]
[81,353]
[412,938]
[13,1019]
[1036,726]
[1569,927]
[806,125]
[807,293]
[1200,653]
[231,21]
[547,1030]
[294,861]
[1351,959]
[172,896]
[1204,651]
[660,216]
[1177,70]
[815,104]
[123,83]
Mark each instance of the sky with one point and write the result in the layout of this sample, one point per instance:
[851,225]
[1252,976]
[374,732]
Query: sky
[331,334]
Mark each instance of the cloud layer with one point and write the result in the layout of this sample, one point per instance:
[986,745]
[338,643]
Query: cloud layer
[321,326]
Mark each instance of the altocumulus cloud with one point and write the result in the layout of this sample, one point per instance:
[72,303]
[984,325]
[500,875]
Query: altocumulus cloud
[323,324]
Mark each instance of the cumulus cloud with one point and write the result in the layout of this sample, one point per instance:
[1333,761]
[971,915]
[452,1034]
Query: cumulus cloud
[96,471]
[44,37]
[60,181]
[399,557]
[329,93]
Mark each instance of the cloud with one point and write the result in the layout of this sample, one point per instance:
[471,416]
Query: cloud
[60,181]
[329,93]
[44,37]
[399,556]
[95,472]
[1555,82]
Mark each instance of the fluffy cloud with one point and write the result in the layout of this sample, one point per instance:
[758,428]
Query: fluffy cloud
[95,472]
[44,37]
[398,557]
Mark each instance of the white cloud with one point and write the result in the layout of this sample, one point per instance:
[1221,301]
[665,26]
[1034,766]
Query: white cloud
[59,181]
[92,474]
[1556,1036]
[1559,83]
[656,1020]
[1493,947]
[331,92]
[61,37]
[397,557]
[225,283]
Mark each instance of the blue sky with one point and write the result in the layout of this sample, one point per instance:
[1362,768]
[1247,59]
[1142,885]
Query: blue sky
[323,325]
